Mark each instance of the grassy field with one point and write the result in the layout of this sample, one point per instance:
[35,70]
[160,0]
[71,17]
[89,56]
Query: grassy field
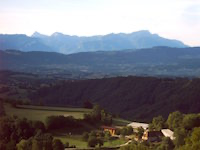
[76,140]
[41,112]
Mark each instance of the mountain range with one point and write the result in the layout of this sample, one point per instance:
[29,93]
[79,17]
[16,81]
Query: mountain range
[67,44]
[149,61]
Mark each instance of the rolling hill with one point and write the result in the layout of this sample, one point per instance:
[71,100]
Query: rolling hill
[153,61]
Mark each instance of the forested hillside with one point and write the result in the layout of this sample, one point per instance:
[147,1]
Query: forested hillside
[136,98]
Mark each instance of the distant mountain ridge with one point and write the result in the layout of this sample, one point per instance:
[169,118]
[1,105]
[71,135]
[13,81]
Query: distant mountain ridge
[22,42]
[67,44]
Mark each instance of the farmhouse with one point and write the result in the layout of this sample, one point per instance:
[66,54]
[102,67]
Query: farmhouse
[168,133]
[109,129]
[136,125]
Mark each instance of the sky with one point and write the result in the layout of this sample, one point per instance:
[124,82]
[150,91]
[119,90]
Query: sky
[173,19]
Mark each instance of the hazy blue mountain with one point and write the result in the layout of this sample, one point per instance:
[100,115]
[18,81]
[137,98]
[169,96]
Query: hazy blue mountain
[136,40]
[67,44]
[38,35]
[151,61]
[22,42]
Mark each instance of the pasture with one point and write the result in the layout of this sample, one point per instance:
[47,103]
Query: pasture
[41,112]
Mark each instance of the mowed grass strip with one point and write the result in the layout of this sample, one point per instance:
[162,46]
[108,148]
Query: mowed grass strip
[120,122]
[42,112]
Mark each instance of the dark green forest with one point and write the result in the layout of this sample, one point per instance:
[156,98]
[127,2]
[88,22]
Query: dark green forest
[135,98]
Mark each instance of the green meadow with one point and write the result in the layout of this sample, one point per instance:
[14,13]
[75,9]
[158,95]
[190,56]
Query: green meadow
[41,112]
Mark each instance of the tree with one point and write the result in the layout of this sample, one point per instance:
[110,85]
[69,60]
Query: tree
[195,137]
[158,122]
[38,125]
[151,127]
[92,133]
[85,136]
[92,141]
[166,144]
[180,135]
[174,120]
[24,145]
[57,145]
[192,142]
[6,129]
[118,131]
[140,132]
[42,141]
[24,128]
[129,130]
[96,113]
[100,142]
[191,121]
[66,144]
[107,136]
[123,131]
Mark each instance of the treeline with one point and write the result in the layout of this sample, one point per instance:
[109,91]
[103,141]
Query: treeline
[22,134]
[127,96]
[95,118]
[98,115]
[60,122]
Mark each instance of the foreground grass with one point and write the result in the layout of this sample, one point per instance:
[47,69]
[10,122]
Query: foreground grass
[41,112]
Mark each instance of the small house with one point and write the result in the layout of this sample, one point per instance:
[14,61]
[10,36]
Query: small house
[136,125]
[112,130]
[168,133]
